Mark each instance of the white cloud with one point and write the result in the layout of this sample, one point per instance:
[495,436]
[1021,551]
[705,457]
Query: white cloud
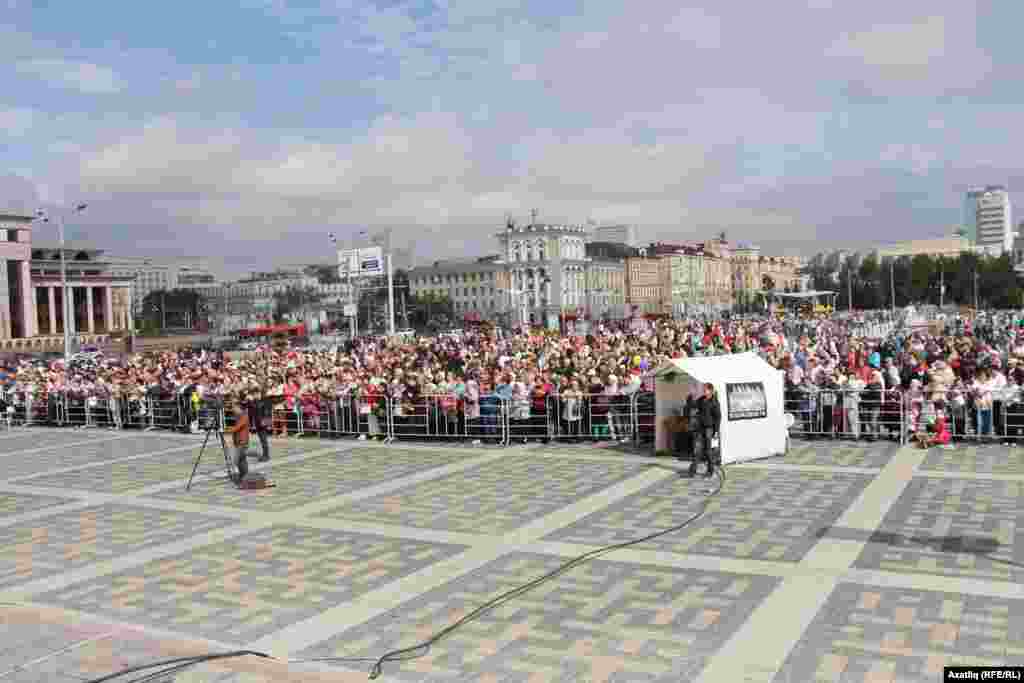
[17,121]
[83,76]
[916,44]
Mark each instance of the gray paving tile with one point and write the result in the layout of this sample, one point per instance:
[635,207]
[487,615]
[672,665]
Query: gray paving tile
[760,514]
[910,633]
[492,498]
[70,540]
[236,591]
[319,477]
[954,527]
[60,457]
[603,620]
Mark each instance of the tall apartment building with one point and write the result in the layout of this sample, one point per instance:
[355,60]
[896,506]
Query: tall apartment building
[988,219]
[645,292]
[681,268]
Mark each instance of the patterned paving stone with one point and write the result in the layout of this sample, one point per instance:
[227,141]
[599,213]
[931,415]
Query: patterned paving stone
[13,504]
[955,527]
[762,514]
[122,477]
[70,540]
[839,453]
[61,457]
[868,633]
[492,498]
[18,440]
[312,479]
[254,585]
[601,621]
[975,458]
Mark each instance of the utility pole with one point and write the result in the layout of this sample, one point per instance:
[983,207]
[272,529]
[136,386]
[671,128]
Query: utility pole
[892,282]
[849,287]
[391,292]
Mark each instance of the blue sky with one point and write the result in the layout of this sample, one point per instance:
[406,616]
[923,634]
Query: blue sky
[248,130]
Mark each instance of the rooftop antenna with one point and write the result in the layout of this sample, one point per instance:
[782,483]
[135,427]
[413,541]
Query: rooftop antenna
[533,217]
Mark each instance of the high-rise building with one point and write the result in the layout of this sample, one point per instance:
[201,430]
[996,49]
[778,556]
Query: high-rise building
[988,219]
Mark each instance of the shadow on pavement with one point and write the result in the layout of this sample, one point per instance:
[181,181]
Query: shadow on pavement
[982,546]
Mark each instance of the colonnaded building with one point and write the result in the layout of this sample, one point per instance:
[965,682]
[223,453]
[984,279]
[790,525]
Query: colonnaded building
[31,295]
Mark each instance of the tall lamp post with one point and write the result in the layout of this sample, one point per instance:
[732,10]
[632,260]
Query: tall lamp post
[68,306]
[351,290]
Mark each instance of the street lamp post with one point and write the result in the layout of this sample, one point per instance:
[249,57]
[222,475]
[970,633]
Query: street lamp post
[67,306]
[892,282]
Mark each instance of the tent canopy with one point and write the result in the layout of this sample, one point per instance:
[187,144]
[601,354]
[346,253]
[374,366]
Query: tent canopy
[728,368]
[743,436]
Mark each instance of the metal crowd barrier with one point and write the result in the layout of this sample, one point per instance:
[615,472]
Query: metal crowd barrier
[818,414]
[837,414]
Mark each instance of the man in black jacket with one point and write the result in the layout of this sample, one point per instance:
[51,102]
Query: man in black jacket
[710,422]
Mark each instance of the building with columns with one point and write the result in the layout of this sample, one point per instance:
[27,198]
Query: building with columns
[17,310]
[547,271]
[101,301]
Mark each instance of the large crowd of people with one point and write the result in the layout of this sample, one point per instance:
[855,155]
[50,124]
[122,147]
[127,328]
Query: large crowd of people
[839,381]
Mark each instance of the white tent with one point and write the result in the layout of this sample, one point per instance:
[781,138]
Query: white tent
[749,390]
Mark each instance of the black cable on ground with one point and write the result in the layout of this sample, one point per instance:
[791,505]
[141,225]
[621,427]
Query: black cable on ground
[181,662]
[411,651]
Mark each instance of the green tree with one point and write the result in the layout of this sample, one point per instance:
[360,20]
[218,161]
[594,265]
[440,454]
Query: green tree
[177,308]
[325,274]
[867,295]
[921,268]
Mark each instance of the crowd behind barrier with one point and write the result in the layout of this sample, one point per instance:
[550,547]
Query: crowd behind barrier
[878,375]
[864,415]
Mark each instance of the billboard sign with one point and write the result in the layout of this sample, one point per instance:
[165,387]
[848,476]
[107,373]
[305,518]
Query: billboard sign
[371,261]
[361,262]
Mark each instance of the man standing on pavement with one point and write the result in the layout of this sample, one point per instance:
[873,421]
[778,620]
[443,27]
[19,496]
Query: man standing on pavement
[710,422]
[240,439]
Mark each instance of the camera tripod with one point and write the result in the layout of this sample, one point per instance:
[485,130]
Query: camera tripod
[233,475]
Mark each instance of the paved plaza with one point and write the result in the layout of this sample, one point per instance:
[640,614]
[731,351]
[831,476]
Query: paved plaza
[839,562]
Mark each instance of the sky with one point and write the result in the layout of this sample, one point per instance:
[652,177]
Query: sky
[248,131]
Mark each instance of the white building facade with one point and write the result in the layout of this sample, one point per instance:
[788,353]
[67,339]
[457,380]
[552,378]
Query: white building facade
[988,217]
[547,267]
